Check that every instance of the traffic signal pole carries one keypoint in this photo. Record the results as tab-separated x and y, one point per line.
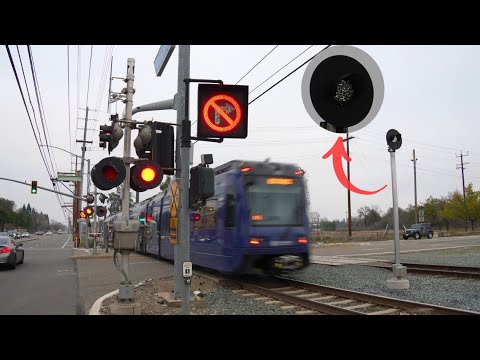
82	162
182	249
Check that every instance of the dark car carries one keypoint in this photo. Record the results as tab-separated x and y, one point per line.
418	230
10	252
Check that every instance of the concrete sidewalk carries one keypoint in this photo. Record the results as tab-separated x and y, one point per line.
98	276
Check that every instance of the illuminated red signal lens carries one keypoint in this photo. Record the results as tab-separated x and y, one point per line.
109	172
149	218
148	174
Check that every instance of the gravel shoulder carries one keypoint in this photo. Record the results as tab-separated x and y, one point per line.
220	300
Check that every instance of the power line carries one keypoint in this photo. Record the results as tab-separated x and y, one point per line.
276	72
26	108
256	64
278	82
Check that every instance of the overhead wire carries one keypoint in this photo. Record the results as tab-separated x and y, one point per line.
258	63
278	82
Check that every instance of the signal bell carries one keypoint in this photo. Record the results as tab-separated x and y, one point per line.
342	89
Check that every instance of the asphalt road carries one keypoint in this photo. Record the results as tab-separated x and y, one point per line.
386	247
46	283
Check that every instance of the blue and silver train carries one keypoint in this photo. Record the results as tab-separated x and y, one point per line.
256	222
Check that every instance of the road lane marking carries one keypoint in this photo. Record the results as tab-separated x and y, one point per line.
68	239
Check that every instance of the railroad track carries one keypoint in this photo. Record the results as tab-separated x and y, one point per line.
446	270
310	299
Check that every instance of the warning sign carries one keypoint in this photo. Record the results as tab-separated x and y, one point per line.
174	199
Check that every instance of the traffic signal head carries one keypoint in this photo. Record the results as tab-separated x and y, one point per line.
33	187
101	211
89	211
145	175
342	89
108	173
202	185
222	111
83	215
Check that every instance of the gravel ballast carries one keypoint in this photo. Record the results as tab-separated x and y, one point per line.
431	289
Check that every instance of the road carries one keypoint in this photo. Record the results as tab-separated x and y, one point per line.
386	247
46	283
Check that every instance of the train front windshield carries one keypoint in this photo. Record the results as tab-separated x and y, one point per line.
275	201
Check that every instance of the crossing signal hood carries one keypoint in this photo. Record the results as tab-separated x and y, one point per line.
222	111
101	211
110	134
145	175
155	141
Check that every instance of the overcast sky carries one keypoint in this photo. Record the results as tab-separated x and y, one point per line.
431	98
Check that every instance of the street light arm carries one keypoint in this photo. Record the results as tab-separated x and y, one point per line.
61	149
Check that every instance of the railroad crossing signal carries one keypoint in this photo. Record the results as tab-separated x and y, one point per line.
108	173
222	111
146	174
394	140
33	187
342	89
89	211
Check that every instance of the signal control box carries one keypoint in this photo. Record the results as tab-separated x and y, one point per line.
124	237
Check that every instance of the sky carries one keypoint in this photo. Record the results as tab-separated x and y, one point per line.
431	97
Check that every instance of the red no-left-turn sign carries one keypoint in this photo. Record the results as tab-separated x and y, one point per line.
222	113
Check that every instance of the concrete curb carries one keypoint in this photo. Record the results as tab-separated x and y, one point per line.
97	305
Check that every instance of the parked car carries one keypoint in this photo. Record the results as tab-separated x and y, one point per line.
49	233
26	235
418	230
10	252
39	233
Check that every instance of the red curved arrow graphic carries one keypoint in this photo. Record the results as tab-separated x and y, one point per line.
338	151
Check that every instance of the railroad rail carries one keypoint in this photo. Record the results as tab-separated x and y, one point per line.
446	270
310	299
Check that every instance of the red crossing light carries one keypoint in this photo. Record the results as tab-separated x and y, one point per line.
145	175
108	173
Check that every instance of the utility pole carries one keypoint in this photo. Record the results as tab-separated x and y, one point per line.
462	166
415	184
348	191
82	162
94	219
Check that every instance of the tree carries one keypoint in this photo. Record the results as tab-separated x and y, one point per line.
164	185
467	209
115	200
362	214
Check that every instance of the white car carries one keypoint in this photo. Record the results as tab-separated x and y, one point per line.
25	234
48	233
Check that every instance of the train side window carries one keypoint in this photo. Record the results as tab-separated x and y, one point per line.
230	211
208	215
